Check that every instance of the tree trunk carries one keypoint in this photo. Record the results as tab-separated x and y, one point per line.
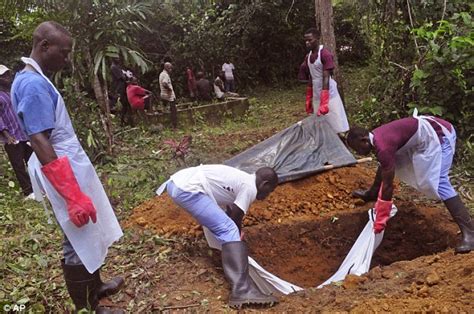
105	117
102	98
325	25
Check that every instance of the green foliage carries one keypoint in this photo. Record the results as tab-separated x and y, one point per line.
442	82
429	66
352	39
111	28
258	37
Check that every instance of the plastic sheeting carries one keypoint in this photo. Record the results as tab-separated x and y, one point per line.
357	262
299	151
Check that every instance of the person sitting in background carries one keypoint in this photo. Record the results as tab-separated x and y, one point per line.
12	136
219	88
138	97
203	87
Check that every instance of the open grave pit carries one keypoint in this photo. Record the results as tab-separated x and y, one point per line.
308	252
303	231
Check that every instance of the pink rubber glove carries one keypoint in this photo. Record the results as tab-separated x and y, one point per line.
309	99
79	205
382	214
323	102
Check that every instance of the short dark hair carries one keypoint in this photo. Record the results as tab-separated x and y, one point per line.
267	174
313	31
355	134
199	75
47	30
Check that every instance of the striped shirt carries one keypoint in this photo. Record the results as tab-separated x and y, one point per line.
9	120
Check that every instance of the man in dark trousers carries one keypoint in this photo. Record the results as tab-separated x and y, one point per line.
12	136
62	170
419	150
119	90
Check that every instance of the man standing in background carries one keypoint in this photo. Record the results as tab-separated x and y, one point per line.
191	82
12	136
119	90
228	69
317	68
167	93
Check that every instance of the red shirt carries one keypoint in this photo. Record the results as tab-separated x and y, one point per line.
390	137
135	96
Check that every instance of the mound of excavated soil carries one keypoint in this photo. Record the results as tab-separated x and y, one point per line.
323	195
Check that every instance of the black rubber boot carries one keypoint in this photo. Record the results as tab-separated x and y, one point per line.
236	269
461	216
108	288
370	194
82	287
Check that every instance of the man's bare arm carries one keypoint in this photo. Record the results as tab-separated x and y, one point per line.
43	148
236	214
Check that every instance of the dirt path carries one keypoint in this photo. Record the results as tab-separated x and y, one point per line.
301	233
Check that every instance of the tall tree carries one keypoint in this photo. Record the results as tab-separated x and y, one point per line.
325	25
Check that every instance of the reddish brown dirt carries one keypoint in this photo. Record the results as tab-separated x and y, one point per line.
323	195
302	232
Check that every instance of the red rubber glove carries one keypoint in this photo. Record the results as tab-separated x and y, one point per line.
79	205
382	214
309	99
323	102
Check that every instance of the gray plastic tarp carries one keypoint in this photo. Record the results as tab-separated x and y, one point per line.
301	150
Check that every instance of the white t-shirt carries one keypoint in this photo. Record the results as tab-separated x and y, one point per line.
166	94
227	185
228	68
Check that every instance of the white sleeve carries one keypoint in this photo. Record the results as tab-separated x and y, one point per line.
223	67
245	197
232	66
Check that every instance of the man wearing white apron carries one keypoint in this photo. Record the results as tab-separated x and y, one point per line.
60	168
322	89
203	192
419	150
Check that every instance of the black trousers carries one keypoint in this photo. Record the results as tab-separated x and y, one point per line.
18	155
126	110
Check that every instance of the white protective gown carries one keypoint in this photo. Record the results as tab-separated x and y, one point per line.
90	242
418	162
337	115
